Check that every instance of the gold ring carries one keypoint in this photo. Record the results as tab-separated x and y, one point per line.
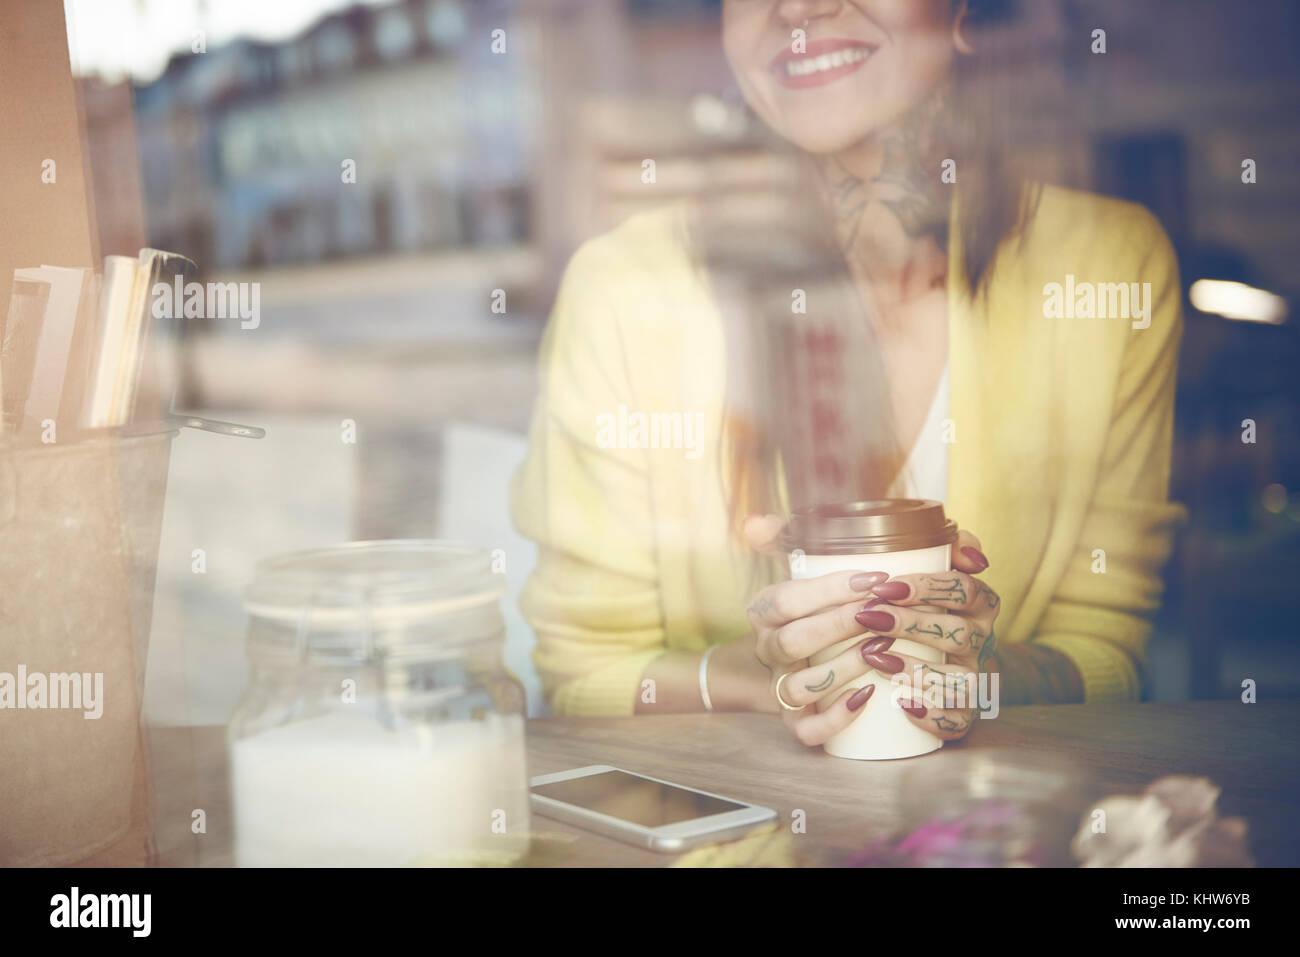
779	699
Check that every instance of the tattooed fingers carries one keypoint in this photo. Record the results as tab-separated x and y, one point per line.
809	685
943	699
938	685
955	591
952	634
948	724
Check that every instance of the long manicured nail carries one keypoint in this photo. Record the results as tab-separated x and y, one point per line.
866	580
977	556
889	664
876	645
875	620
892	591
859	697
911	707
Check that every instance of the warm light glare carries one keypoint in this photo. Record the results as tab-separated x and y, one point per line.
1274	498
1236	300
118	38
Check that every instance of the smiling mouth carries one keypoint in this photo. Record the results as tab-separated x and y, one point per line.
827	61
824	61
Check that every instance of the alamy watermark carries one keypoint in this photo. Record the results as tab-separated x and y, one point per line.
75	691
949	690
1098	300
213	300
130	911
651	430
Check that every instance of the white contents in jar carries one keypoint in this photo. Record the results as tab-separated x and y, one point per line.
345	790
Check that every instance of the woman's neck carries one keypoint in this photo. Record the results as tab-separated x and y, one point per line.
891	207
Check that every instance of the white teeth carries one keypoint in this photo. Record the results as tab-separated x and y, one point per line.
827	61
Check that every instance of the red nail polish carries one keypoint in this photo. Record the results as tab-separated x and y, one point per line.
876	645
977	556
866	580
873	603
859	697
875	620
889	664
892	591
912	708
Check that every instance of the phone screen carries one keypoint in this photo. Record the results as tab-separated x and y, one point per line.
634	798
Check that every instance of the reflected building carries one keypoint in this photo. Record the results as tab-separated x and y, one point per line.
377	130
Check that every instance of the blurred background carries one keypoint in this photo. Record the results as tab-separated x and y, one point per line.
483	158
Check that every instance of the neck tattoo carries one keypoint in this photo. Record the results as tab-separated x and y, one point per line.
907	182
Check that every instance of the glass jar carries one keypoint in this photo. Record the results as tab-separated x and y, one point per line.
80	521
990	808
379	726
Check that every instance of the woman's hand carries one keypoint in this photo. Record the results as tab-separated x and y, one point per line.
944	697
793	620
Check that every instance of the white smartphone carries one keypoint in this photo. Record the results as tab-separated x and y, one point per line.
643	810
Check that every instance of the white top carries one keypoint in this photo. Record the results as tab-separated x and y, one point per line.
925	473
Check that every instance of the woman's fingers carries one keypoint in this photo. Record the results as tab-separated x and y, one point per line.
788	601
805	637
966	554
940	698
954	634
935	685
948	724
808	685
953	590
813	728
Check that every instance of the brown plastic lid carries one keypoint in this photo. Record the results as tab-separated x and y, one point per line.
883	525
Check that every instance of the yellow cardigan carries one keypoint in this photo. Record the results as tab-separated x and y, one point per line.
1059	460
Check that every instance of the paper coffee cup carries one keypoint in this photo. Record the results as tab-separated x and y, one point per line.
896	536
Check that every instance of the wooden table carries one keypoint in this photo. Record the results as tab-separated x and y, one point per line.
1081	752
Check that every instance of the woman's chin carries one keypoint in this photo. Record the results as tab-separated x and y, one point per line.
822	139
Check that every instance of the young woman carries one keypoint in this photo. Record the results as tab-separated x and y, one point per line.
925	266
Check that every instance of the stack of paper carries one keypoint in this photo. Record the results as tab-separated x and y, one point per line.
18	344
46	342
84	350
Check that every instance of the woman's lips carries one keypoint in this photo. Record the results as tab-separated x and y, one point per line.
824	61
